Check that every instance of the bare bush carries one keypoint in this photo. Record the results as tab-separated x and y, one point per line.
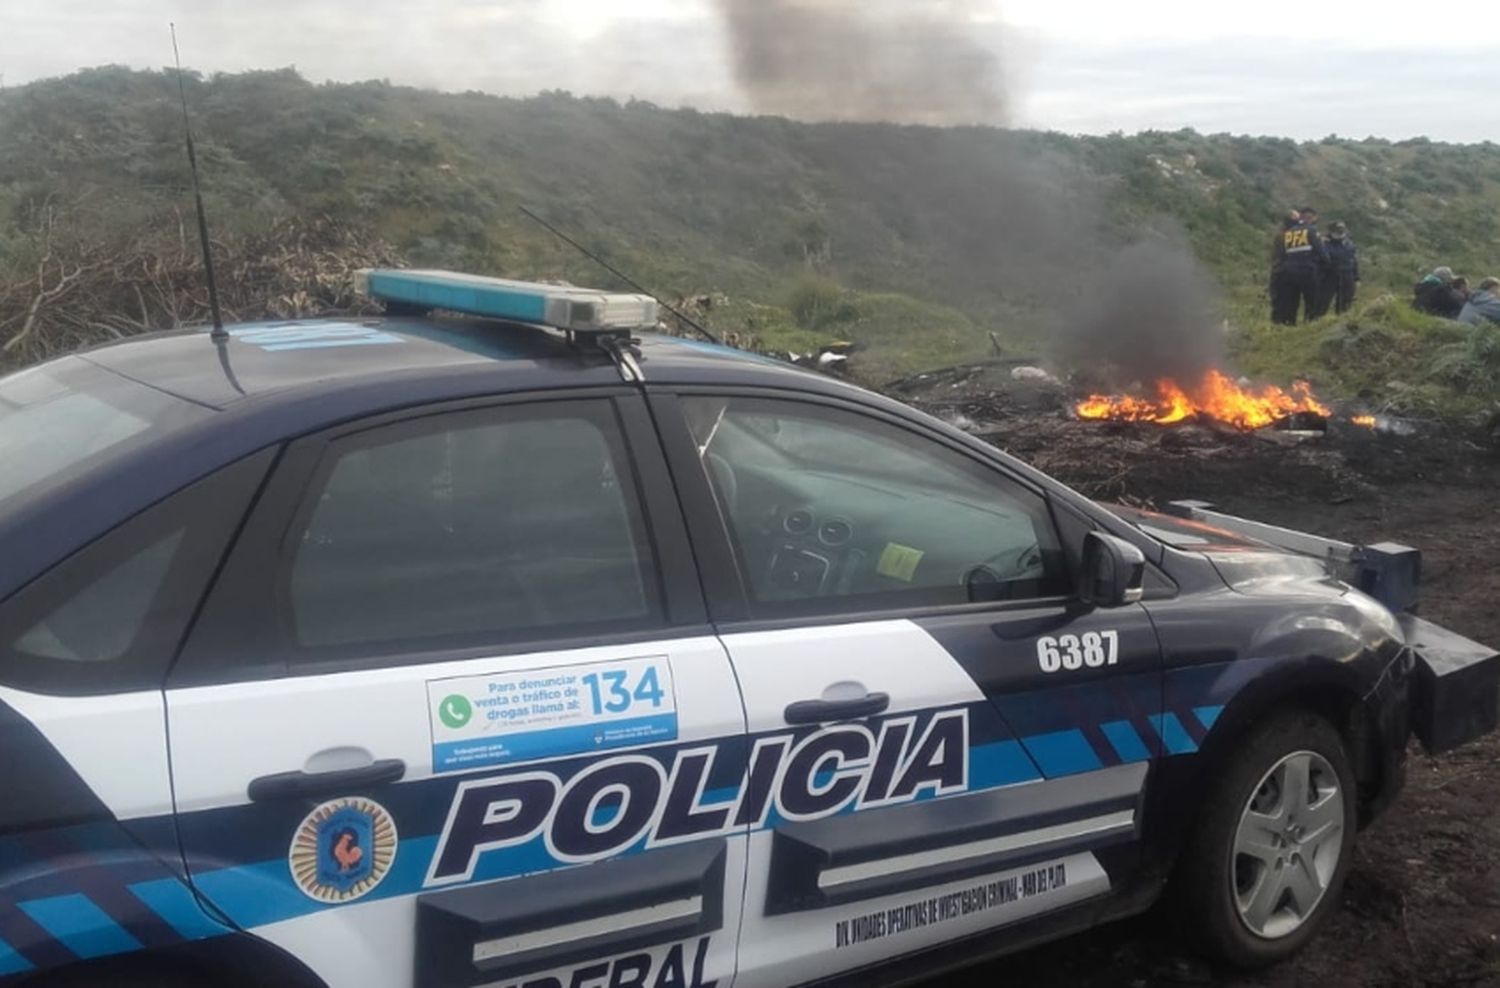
71	287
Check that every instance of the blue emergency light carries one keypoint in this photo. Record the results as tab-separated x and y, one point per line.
574	310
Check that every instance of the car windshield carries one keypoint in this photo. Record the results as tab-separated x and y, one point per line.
58	419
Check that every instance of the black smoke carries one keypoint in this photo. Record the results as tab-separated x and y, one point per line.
1123	308
908	61
1150	311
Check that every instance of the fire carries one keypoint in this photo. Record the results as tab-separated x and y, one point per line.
1216	397
1368	421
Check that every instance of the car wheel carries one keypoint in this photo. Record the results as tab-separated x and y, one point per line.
1266	864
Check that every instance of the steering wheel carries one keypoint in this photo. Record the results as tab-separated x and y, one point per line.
722	475
1008	566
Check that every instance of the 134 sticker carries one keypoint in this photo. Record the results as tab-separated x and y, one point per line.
479	721
1090	650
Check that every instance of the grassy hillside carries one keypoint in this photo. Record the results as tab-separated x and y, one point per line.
917	242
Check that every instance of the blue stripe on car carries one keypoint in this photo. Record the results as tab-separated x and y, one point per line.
10	961
82	926
1062	753
999	763
1207	716
1173	734
1126	741
178	908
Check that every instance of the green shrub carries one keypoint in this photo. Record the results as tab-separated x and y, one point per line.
1385	353
819	305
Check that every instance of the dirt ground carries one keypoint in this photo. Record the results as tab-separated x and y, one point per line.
1422	903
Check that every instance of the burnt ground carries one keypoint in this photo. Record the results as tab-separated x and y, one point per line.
1422	902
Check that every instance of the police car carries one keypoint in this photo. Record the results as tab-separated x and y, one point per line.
493	642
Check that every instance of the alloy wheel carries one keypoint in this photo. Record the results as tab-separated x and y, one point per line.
1288	844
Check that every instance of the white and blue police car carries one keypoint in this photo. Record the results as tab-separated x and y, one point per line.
500	642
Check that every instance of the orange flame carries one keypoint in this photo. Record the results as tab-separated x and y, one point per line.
1368	421
1216	397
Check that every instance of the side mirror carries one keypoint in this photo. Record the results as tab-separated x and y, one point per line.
1114	571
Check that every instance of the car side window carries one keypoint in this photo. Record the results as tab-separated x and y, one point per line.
496	524
101	621
831	511
111	616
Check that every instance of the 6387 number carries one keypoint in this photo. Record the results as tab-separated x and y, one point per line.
1090	650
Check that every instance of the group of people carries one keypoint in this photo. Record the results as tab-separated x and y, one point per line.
1442	293
1309	272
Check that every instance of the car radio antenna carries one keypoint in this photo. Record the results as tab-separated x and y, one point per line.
218	335
617	273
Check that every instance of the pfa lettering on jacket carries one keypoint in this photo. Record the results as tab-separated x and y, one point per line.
634	802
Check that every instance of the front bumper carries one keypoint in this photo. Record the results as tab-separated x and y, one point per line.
1455	693
1455	696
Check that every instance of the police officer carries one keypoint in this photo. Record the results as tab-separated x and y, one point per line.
1343	266
1297	257
1279	288
1323	289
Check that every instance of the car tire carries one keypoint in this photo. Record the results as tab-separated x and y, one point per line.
1266	863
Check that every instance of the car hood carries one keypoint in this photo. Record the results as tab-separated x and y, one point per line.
1246	564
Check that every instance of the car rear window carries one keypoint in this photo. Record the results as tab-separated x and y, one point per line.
59	418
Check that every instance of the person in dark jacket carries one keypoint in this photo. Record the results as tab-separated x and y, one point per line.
1297	255
1483	307
1323	288
1343	266
1440	294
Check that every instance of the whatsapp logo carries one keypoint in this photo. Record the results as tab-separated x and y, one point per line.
455	711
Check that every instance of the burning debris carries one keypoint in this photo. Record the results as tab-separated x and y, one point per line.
1309	457
1391	425
1215	398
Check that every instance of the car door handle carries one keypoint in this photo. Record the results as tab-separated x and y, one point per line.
341	782
823	711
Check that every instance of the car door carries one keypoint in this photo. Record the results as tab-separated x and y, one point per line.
453	714
89	862
949	741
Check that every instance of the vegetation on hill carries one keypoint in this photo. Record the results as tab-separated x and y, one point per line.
917	243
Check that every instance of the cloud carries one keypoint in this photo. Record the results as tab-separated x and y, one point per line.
510	47
1342	24
1304	91
1077	71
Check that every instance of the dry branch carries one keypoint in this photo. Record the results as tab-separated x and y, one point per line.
82	290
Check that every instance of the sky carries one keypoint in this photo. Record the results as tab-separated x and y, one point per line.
1291	68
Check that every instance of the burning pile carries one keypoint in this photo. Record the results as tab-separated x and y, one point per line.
1216	397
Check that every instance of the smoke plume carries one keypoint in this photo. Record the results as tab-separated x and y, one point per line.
1152	311
1015	219
904	61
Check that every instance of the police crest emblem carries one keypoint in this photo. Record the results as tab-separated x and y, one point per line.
343	849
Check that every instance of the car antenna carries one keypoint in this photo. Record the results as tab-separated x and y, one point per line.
617	273
218	335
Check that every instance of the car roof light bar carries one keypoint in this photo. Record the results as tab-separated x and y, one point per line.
584	311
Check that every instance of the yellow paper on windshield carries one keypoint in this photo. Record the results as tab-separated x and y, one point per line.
899	562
